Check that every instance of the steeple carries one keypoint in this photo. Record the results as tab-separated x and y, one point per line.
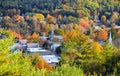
110	38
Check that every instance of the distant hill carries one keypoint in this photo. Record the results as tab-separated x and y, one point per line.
68	7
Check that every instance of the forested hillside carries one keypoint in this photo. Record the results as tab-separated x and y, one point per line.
87	32
64	7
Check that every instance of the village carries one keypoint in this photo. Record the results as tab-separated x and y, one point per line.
59	38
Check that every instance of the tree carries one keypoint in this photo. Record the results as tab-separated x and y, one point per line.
34	35
17	18
114	17
50	19
39	17
103	18
59	16
75	39
83	23
102	35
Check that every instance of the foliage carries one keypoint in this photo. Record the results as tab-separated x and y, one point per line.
66	70
5	43
14	34
17	64
13	64
114	17
59	32
103	18
40	17
102	35
50	18
75	39
93	58
34	35
72	19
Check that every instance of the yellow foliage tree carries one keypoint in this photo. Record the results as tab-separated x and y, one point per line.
75	39
48	27
97	47
39	16
103	18
64	6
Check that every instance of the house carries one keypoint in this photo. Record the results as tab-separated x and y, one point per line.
51	59
43	38
57	38
96	19
23	41
32	45
116	42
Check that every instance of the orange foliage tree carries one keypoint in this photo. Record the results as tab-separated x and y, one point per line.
83	23
50	18
59	16
17	18
118	33
34	35
34	38
14	34
102	35
40	63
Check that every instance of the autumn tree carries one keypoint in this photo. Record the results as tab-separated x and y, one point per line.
50	19
34	35
103	18
118	33
83	23
6	22
59	16
34	38
75	39
40	63
114	17
39	17
80	13
102	35
17	18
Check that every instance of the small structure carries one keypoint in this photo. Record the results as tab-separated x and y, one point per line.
51	59
54	46
43	38
116	42
33	50
23	41
110	38
15	48
57	38
32	45
96	19
47	55
117	27
0	36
